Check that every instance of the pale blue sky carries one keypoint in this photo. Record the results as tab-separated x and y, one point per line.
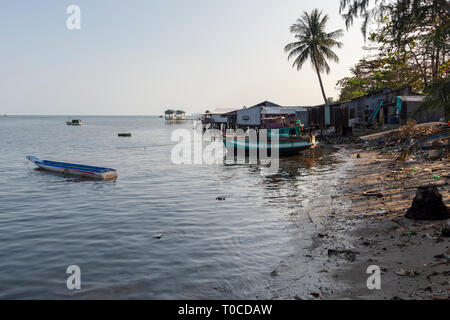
142	56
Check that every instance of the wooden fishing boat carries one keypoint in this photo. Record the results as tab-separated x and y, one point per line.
75	122
75	169
290	141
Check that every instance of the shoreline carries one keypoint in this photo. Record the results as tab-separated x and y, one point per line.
357	231
307	272
382	235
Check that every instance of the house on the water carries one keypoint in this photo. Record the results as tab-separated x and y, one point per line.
174	115
385	106
258	115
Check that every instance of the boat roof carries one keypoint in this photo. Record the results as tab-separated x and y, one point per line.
412	98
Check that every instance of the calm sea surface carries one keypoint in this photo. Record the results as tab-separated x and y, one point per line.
210	249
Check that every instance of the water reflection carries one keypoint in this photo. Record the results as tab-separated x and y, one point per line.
210	249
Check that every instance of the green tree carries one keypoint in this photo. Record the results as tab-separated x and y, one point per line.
409	48
314	43
438	96
377	9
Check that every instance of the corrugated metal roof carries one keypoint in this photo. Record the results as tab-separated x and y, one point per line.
282	110
412	98
266	104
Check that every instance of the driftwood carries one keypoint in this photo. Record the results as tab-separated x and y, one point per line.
372	193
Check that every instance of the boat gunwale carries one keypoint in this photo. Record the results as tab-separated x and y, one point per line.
70	165
282	140
280	147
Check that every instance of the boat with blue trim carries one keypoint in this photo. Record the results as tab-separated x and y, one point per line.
290	140
75	169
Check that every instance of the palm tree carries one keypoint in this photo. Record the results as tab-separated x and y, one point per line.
314	43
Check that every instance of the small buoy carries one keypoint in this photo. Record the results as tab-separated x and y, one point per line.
124	134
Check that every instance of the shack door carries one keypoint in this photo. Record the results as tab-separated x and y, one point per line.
327	116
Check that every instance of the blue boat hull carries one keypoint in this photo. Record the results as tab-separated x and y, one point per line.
284	146
75	169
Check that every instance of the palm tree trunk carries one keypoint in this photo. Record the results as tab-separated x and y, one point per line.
320	81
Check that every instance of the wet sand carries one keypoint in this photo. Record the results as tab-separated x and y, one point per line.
383	236
355	231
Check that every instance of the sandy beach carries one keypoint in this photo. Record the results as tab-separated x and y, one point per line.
383	236
360	230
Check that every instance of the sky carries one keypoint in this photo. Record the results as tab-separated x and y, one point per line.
141	57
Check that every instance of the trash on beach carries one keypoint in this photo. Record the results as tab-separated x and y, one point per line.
412	141
446	254
445	232
372	193
409	273
346	254
436	176
159	236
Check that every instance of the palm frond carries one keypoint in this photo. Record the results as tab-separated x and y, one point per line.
301	59
297	51
330	54
292	46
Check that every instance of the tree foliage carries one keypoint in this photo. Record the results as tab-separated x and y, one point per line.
438	96
369	10
410	46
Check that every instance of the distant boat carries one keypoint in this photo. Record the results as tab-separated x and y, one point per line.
75	169
75	122
124	134
6	116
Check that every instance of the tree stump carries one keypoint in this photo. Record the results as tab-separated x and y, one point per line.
428	205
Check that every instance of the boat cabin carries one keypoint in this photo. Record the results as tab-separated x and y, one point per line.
74	122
